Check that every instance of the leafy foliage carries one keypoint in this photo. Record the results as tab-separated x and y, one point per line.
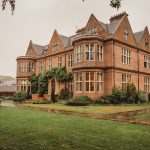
34	83
115	3
80	101
11	3
128	96
19	97
64	94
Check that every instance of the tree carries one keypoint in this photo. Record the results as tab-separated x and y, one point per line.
113	3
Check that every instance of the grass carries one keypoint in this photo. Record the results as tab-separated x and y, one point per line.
100	110
145	116
23	129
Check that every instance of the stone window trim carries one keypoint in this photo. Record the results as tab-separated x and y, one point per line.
89	82
100	82
50	64
70	60
31	67
147	84
55	46
126	33
89	52
78	82
92	31
41	66
78	51
126	78
100	53
146	62
59	62
126	56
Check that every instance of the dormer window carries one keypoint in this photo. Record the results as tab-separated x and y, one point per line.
55	46
92	31
146	43
126	33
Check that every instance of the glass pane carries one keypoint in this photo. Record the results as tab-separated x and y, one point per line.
87	76
87	86
92	76
92	86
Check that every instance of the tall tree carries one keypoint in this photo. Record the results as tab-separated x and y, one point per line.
113	3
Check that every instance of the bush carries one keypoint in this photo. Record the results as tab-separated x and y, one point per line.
40	101
140	97
64	94
129	96
19	97
80	101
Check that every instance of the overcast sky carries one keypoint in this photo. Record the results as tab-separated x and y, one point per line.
37	19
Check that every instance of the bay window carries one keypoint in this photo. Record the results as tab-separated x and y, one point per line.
89	52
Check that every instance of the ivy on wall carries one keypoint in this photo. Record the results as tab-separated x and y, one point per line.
39	83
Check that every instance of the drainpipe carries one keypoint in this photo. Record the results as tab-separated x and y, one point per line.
113	64
138	69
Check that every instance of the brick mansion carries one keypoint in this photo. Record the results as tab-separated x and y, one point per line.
101	56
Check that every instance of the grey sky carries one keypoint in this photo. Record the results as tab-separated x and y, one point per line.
37	19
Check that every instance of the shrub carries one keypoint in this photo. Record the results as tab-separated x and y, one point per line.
103	100
40	101
64	94
140	97
19	97
80	101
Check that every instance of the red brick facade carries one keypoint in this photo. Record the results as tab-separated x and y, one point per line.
101	56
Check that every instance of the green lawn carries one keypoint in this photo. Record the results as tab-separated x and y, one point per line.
100	110
23	129
145	116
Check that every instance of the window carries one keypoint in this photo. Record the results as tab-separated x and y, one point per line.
31	67
89	81
126	33
70	86
100	53
92	30
23	67
147	62
146	43
78	53
79	82
50	64
55	47
59	61
70	60
100	82
23	85
89	52
126	56
125	79
41	66
147	84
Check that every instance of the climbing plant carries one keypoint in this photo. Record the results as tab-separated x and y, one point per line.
39	83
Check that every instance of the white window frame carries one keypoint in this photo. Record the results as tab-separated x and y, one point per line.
89	82
78	53
126	78
147	84
100	82
89	51
100	53
78	81
70	60
126	33
147	62
59	62
126	56
50	64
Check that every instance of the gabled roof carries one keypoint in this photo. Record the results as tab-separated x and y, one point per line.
38	48
64	39
138	35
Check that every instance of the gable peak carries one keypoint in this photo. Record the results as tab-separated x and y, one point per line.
117	17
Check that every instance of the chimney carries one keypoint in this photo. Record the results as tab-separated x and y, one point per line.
117	17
